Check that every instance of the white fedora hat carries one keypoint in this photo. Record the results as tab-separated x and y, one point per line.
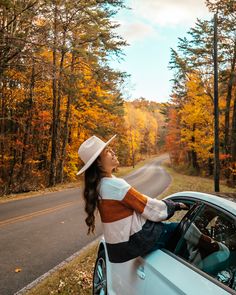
90	149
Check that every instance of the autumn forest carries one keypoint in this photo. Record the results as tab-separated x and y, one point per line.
57	89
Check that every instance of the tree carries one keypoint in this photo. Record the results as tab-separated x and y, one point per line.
195	54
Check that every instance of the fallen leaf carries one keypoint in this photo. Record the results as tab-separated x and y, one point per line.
18	270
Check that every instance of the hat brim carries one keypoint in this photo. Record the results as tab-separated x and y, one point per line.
90	162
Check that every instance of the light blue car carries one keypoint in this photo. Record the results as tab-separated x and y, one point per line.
201	258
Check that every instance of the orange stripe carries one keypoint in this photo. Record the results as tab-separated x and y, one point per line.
135	200
112	210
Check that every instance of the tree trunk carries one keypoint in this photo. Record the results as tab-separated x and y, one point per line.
66	126
60	164
210	164
233	135
132	148
2	129
14	129
228	102
194	154
28	123
52	176
194	160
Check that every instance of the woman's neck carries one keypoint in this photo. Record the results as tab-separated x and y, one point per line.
107	175
110	176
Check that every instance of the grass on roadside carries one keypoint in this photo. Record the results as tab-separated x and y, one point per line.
73	278
182	182
76	276
122	171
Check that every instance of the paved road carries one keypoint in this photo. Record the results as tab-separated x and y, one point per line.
38	233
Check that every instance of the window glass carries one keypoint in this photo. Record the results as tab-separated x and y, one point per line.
180	214
210	244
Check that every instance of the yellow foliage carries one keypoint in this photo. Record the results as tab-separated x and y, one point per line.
142	130
197	132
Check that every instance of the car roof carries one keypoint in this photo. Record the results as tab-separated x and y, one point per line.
218	199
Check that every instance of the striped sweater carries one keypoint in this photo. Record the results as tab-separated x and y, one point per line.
131	221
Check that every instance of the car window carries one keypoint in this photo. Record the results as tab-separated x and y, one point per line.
179	215
209	244
183	217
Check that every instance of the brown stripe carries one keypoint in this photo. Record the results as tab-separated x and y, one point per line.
135	200
112	210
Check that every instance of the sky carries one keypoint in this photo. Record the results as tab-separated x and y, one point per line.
152	28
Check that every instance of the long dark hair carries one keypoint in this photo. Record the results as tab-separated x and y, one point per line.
92	178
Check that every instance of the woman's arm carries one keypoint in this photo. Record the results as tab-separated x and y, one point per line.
152	209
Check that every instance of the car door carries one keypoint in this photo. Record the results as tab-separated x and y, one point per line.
170	271
127	278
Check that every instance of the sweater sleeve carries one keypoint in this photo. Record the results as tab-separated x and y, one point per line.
151	209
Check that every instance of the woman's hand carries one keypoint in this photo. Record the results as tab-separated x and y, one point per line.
184	206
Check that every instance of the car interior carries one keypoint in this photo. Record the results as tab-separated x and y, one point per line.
209	243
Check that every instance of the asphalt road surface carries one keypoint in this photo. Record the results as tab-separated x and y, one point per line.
38	233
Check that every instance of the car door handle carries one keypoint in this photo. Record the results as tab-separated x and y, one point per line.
140	272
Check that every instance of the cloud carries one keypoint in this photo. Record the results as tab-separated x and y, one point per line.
136	31
170	12
147	16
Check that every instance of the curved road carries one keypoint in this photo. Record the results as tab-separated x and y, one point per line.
38	233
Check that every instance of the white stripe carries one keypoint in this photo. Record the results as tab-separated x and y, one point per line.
113	188
121	230
155	210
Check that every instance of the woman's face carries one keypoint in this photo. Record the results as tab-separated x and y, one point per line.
108	160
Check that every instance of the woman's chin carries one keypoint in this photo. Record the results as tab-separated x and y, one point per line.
116	166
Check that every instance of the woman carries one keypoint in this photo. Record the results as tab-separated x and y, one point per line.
132	222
